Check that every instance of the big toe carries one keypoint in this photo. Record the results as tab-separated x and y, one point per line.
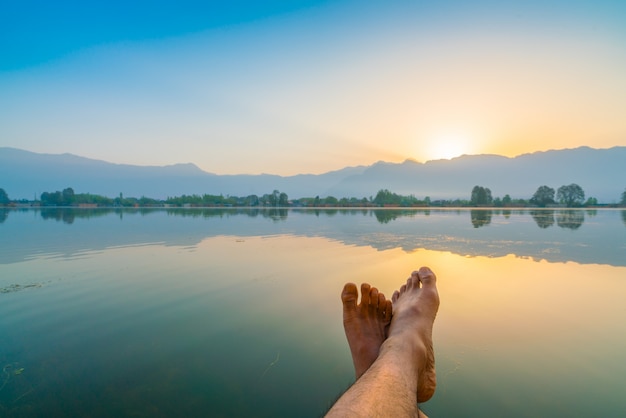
349	295
427	277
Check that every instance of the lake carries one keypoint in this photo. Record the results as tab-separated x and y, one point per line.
227	313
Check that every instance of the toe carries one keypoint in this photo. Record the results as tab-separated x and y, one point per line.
365	294
381	303
388	310
427	277
374	297
414	280
349	295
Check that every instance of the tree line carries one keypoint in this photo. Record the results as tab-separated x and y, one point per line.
571	195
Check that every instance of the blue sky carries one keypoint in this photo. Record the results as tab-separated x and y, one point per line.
309	86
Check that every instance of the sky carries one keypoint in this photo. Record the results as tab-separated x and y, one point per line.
309	86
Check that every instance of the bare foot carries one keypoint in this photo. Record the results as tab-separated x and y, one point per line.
415	306
366	324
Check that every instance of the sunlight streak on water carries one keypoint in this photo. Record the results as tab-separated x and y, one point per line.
190	323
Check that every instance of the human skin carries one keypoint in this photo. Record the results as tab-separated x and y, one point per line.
366	324
403	373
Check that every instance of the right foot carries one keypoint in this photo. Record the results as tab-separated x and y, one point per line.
365	324
415	306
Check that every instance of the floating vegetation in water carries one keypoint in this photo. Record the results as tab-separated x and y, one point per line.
15	388
17	287
272	363
8	371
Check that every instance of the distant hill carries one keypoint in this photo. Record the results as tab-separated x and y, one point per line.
600	172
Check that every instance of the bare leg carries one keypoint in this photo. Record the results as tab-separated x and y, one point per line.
366	324
390	386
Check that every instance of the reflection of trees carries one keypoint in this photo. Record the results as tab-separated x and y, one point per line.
624	216
65	215
570	219
209	213
68	215
480	217
277	214
543	218
387	215
4	214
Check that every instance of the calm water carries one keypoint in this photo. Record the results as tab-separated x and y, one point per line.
237	313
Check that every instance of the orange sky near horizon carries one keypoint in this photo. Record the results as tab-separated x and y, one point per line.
327	85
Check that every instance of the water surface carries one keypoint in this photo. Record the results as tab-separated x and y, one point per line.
237	313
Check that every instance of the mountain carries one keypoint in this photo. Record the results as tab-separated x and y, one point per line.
24	174
600	172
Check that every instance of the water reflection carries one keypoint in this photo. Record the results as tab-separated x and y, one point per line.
386	216
69	215
543	218
129	330
570	219
480	217
279	214
492	233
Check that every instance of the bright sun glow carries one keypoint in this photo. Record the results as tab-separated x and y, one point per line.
447	147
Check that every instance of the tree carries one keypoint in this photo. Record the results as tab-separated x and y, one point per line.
67	198
283	199
572	195
331	200
274	198
251	200
385	197
51	199
623	201
592	201
543	196
481	196
488	197
4	197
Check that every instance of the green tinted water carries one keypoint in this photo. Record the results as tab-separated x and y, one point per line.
237	313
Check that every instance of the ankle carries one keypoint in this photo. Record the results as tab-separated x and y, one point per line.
408	347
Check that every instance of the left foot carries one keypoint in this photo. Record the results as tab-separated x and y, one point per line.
366	324
415	307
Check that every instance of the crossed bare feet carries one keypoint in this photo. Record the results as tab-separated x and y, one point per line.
369	324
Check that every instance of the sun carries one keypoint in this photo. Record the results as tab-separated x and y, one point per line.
447	147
